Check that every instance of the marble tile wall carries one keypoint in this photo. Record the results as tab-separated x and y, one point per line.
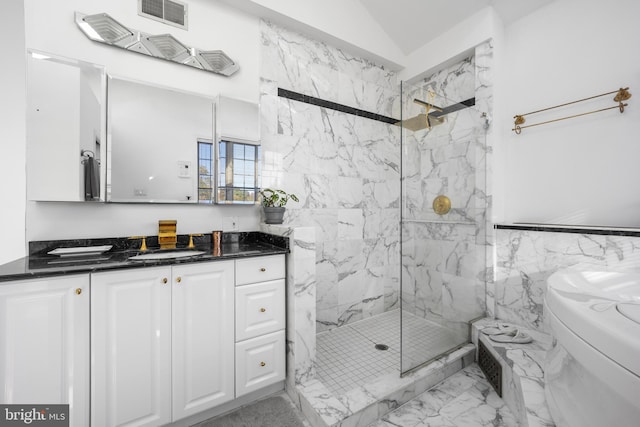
301	301
447	259
344	169
525	259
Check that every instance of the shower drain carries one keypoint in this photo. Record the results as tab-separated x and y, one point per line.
382	347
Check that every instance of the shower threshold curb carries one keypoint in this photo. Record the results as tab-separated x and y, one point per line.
364	405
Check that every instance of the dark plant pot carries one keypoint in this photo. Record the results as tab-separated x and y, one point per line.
273	215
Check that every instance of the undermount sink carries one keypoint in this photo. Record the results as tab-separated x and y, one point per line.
165	255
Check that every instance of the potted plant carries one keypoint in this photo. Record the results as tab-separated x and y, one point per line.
273	204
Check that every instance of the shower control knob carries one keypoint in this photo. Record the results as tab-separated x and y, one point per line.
441	205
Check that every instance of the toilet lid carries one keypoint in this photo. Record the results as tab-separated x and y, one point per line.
630	311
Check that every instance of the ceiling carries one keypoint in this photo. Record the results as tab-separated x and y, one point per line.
413	23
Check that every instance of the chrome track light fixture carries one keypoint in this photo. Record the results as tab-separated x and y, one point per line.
104	29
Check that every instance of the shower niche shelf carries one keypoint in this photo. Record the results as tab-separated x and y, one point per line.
438	221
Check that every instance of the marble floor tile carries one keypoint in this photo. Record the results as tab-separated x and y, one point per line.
463	400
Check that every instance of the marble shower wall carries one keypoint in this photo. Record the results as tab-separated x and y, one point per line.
525	259
445	258
344	169
301	301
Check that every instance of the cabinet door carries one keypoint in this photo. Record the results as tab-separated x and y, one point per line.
259	309
203	341
259	362
44	344
131	347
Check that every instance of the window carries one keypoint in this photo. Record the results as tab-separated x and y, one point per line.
205	172
238	172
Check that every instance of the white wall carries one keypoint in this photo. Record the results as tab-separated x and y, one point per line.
50	27
583	170
12	132
213	25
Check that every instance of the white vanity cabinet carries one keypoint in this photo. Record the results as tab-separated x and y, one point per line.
131	347
202	351
162	343
260	322
44	343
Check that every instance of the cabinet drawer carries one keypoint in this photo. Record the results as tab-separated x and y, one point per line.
259	362
259	269
259	309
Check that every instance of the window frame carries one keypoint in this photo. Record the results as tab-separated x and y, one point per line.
212	172
229	188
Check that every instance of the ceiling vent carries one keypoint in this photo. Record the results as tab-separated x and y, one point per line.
168	11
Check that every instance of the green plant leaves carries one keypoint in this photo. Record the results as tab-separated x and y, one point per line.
276	198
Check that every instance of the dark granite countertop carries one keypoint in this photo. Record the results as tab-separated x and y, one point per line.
40	264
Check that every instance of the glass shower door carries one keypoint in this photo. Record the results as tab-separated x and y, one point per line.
443	214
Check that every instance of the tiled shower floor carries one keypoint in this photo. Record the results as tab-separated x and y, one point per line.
347	358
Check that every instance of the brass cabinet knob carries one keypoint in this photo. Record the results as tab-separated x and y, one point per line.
164	280
178	279
263	364
262	310
263	269
78	291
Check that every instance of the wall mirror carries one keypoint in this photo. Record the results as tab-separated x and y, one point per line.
153	139
238	151
163	147
65	129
